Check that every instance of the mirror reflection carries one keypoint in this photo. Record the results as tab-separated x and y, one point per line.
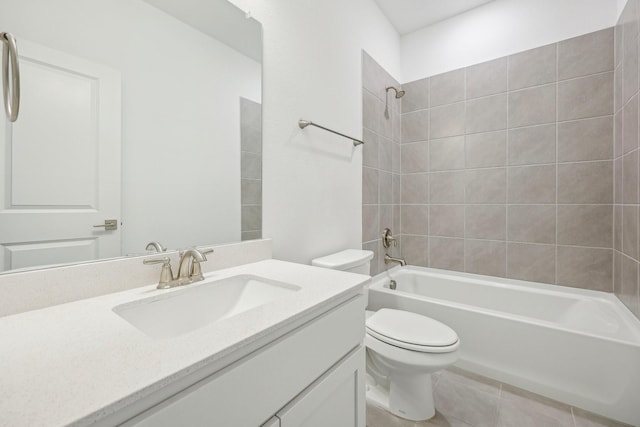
143	115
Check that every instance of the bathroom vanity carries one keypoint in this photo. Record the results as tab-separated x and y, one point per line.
296	359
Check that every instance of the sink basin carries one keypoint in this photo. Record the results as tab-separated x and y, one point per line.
198	305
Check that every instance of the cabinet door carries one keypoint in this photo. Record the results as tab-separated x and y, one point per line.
336	399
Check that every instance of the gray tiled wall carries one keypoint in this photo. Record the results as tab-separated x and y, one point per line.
626	229
381	161
507	166
251	169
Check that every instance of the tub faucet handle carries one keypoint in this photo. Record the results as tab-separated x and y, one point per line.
387	239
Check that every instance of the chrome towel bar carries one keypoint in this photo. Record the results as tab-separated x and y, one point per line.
10	56
304	123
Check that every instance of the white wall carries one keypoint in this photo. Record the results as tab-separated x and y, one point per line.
181	130
620	7
497	29
312	69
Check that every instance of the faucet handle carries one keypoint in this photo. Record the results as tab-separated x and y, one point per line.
166	275
196	271
208	251
387	238
162	260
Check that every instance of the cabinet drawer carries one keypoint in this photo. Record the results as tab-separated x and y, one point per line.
251	390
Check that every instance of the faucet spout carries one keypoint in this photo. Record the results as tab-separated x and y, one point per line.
189	259
155	246
389	259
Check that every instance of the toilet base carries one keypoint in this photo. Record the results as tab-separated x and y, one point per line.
415	403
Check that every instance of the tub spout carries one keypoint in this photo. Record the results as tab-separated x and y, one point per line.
389	259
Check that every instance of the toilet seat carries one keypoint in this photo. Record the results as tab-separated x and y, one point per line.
411	331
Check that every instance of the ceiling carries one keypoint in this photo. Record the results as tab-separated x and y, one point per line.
411	15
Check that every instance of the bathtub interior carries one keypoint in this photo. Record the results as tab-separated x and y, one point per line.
579	310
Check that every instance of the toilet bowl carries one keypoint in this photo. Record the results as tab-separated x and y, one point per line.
403	349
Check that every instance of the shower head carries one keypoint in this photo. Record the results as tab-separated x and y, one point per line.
399	93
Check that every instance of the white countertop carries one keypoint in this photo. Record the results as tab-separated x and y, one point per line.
76	363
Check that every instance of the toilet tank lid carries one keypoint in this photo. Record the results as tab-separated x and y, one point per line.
344	260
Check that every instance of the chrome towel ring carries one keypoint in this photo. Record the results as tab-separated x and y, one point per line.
10	88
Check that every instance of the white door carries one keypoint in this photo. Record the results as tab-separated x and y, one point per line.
61	162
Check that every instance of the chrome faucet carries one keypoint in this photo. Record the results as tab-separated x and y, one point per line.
389	259
189	269
387	241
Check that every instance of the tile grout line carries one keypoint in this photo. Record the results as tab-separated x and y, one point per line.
614	220
506	196
428	169
637	36
637	224
464	193
556	278
623	103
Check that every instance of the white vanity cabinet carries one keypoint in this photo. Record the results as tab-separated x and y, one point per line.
310	376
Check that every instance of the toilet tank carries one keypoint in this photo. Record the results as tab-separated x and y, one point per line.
351	260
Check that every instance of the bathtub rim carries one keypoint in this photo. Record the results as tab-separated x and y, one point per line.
379	282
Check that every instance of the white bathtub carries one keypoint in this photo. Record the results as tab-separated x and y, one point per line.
576	346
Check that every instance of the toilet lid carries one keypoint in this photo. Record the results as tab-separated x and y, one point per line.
410	330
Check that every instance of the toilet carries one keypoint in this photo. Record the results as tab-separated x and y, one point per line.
403	349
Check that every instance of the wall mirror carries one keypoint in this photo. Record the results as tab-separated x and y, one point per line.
146	112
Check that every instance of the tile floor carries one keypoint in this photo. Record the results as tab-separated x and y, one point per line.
468	400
